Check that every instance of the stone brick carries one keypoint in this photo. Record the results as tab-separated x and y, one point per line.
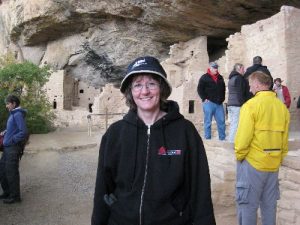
297	207
293	176
288	185
287	215
285	204
290	195
292	162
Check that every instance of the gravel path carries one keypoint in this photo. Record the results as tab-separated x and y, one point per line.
57	189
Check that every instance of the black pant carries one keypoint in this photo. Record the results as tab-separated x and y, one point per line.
9	171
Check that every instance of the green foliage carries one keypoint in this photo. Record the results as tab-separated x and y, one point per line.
26	81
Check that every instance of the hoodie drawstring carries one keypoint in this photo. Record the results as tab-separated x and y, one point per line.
136	152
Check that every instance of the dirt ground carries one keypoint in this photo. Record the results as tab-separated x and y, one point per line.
57	189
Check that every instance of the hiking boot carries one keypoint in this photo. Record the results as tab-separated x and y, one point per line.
11	200
4	196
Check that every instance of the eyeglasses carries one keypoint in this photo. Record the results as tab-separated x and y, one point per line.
150	86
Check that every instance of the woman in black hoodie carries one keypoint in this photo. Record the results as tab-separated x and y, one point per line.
152	166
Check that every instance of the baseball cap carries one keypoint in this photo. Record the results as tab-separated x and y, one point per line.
214	65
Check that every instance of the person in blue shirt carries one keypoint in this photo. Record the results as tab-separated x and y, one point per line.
15	133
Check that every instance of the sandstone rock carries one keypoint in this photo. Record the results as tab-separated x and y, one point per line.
34	53
115	32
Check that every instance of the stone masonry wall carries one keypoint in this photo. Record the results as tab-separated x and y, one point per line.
111	102
187	62
288	212
222	164
54	88
276	40
292	45
266	38
86	94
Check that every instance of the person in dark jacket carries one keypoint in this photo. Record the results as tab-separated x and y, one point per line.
237	95
211	89
152	167
16	132
257	66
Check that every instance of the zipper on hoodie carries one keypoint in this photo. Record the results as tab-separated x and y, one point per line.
145	175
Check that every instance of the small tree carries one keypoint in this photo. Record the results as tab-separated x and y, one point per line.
26	81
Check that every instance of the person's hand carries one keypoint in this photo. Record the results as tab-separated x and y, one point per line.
206	100
3	132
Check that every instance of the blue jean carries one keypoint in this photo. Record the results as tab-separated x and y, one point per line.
234	115
256	189
211	110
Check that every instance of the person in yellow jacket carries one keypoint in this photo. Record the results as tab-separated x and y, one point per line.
260	145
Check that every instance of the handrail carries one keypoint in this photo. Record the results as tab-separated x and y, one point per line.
106	114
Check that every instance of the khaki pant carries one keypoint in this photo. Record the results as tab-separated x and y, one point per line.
256	189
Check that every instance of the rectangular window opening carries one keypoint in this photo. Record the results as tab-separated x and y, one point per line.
191	106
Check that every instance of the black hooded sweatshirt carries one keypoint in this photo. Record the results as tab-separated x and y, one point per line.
155	175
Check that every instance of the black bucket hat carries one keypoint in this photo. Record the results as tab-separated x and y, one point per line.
146	64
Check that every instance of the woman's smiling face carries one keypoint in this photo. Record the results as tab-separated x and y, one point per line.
146	93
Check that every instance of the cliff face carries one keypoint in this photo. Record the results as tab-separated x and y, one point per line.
94	40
